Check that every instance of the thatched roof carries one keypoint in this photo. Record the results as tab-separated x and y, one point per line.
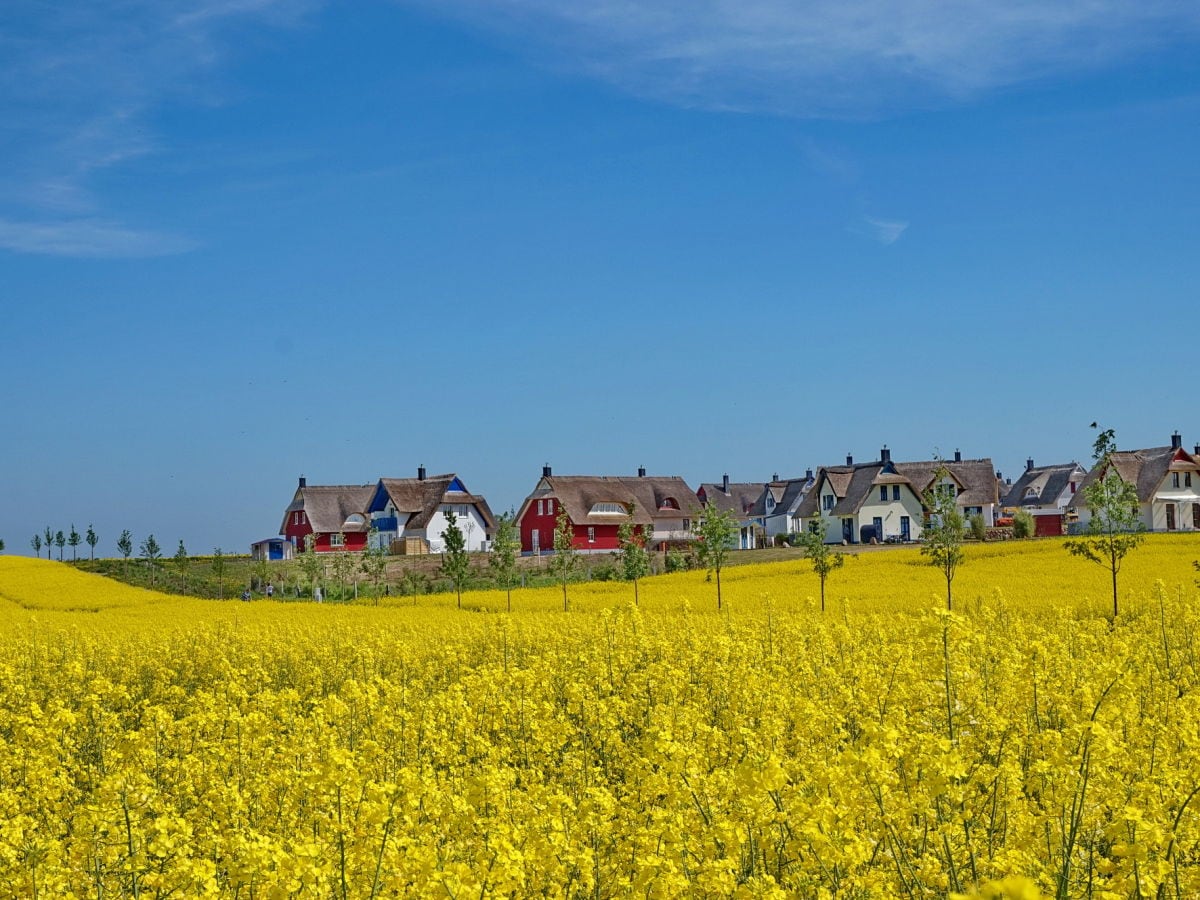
977	477
650	494
1144	469
854	484
327	507
1047	482
420	498
739	499
788	495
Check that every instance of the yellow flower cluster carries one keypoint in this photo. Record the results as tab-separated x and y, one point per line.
1021	746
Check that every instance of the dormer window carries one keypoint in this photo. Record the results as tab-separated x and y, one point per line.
770	502
668	503
606	508
354	520
1031	493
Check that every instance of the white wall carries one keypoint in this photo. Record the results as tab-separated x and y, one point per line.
470	523
891	511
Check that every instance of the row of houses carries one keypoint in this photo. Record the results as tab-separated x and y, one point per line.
882	500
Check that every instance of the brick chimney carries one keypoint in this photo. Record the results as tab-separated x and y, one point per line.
420	473
641	471
1029	464
546	473
885	455
1176	441
849	460
303	481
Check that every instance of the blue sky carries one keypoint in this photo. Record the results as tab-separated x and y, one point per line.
242	240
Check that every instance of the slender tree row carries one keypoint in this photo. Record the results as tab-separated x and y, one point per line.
51	539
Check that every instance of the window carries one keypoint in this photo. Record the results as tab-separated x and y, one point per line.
1187	479
687	524
827	502
1174	479
607	509
591	535
1170	517
337	540
883	492
550	507
540	511
895	492
1073	487
534	540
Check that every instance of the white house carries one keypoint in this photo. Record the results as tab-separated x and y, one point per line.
864	503
1167	481
408	515
779	504
740	499
1044	492
973	481
884	500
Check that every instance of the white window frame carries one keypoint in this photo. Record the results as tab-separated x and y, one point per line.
337	540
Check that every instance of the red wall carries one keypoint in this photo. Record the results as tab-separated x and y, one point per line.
1047	526
606	535
355	540
296	533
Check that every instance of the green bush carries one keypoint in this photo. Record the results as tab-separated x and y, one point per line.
978	527
605	572
1023	524
676	561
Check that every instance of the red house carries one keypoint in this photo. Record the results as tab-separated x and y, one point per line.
335	514
597	505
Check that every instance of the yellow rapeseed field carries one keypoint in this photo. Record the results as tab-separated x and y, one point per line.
1021	746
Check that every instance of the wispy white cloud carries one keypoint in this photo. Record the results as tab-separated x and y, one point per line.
93	238
829	57
886	231
77	81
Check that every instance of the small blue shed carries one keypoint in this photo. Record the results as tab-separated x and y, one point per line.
276	548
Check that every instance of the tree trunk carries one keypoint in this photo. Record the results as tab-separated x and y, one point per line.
718	588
